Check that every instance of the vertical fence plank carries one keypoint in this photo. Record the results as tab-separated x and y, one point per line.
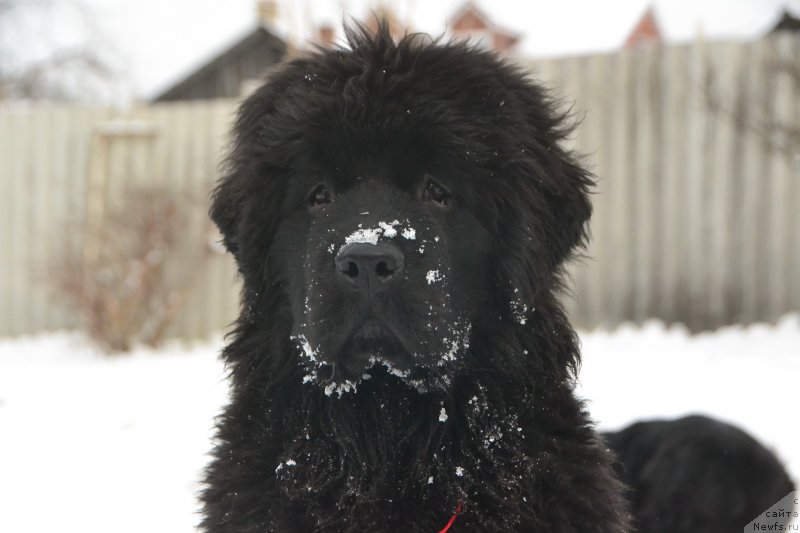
780	233
753	183
19	221
199	176
720	174
675	101
793	198
7	199
646	184
58	186
223	287
177	156
606	110
621	187
695	146
37	212
598	102
206	170
735	221
763	220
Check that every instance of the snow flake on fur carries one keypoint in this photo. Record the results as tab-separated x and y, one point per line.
386	230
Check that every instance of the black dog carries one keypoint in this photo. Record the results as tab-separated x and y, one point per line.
696	475
400	214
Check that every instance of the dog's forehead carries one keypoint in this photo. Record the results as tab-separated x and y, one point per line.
383	191
391	139
356	164
395	124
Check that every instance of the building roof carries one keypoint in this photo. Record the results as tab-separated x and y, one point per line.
646	30
470	10
259	37
787	22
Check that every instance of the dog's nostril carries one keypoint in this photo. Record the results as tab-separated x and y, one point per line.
351	271
383	271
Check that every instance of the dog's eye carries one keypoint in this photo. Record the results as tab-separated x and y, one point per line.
319	196
436	193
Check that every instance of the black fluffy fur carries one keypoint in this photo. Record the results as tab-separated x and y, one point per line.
531	459
696	475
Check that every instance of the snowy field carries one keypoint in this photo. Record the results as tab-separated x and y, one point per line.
96	444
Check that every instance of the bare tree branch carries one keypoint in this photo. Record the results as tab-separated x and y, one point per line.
780	134
77	71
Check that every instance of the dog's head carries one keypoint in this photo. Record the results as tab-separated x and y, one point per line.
394	198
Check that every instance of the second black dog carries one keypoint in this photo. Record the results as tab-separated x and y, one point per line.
696	475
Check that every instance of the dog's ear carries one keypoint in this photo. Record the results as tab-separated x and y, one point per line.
560	173
228	198
246	203
569	186
247	170
553	206
226	208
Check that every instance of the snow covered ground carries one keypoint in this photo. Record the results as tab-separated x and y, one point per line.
96	444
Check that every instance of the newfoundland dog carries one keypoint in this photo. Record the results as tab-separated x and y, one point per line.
697	475
400	214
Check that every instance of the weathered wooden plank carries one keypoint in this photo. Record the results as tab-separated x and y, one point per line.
597	103
764	178
621	188
59	232
781	234
200	177
39	213
672	289
695	190
720	182
220	286
646	184
793	196
19	256
7	199
752	207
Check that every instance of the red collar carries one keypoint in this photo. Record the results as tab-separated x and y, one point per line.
452	519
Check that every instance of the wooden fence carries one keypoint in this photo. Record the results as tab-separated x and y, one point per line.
54	159
697	209
697	212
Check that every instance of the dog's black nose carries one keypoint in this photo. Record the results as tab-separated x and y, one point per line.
370	267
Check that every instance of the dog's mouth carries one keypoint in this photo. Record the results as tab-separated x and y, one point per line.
372	336
371	343
378	352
